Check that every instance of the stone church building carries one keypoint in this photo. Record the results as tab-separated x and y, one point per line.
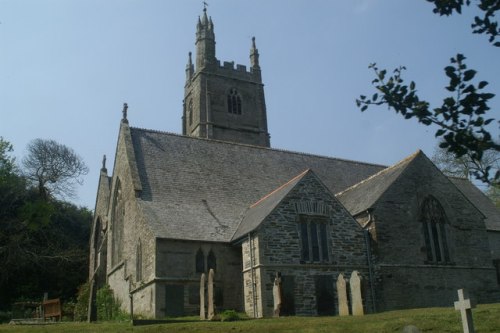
218	196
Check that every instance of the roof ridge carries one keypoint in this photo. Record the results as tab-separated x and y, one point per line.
279	188
406	159
457	177
258	147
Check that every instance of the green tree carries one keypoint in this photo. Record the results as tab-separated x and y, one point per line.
462	118
43	241
483	24
53	168
464	166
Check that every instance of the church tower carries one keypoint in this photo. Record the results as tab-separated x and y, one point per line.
222	102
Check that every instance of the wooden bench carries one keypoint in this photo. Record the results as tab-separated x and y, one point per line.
52	309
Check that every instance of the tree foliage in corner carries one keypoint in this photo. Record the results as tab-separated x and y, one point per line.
462	117
484	24
43	241
53	168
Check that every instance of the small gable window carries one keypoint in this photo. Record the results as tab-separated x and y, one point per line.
200	261
434	229
233	102
314	239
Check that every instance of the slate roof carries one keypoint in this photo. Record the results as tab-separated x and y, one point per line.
362	196
262	208
481	201
198	189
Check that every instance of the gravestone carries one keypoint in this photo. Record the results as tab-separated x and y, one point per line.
342	295
465	307
411	329
357	300
202	297
277	295
211	309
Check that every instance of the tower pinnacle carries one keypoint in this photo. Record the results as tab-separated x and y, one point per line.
254	55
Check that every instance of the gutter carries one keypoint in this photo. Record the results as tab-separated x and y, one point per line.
366	233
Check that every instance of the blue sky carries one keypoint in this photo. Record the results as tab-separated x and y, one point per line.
67	66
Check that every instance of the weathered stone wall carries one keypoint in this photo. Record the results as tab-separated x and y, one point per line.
494	241
207	90
252	286
404	277
144	299
99	226
122	275
176	265
279	249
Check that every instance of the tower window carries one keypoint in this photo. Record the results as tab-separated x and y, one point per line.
233	102
434	230
190	112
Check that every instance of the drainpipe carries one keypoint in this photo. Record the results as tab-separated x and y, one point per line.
254	296
369	257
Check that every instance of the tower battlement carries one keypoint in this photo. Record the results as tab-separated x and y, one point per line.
223	101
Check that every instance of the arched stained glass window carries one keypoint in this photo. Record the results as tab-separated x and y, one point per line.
117	225
211	261
434	229
200	261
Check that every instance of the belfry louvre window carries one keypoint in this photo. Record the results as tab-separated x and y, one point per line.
190	112
314	239
434	228
233	102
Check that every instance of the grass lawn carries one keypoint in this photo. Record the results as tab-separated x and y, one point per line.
486	319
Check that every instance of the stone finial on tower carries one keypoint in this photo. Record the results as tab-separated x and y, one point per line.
124	112
104	163
254	55
189	68
205	42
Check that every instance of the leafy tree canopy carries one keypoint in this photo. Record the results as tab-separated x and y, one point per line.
483	24
463	118
43	241
54	168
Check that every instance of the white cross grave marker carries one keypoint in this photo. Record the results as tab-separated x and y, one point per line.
464	306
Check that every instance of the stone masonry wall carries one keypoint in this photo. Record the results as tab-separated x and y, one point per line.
494	241
404	278
208	91
280	248
176	265
122	275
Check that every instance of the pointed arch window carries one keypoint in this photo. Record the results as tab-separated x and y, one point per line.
138	261
233	102
117	225
190	112
98	239
200	261
434	228
211	261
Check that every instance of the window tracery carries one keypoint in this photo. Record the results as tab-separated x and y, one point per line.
434	229
314	239
233	102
